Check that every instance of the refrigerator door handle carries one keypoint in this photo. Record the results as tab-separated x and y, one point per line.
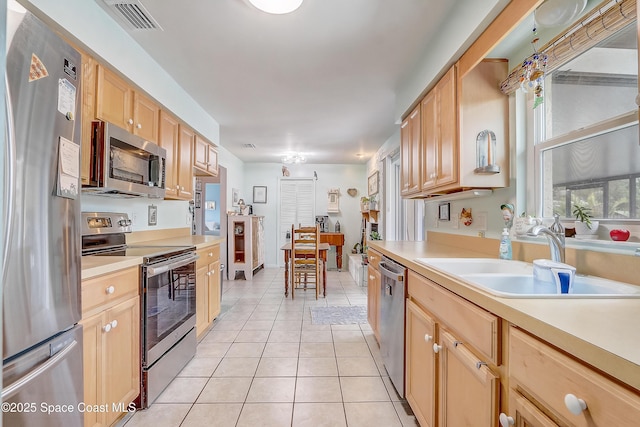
19	384
9	175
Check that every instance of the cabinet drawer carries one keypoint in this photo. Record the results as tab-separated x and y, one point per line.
208	255
473	325
100	292
538	370
374	258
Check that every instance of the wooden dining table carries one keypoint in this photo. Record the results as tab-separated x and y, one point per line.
323	248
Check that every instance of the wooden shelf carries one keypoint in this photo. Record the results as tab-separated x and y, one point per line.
370	215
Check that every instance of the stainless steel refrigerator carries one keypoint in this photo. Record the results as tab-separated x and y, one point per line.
42	341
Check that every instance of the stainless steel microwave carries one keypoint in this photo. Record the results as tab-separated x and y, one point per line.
123	164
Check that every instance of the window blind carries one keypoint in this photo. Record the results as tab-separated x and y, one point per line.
602	22
296	205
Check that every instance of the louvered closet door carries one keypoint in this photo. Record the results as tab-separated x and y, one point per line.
297	206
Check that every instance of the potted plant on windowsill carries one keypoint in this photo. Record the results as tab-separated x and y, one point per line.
586	228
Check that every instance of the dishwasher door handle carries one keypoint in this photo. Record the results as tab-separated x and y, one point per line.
391	274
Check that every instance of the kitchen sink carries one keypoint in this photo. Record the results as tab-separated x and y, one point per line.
525	286
514	279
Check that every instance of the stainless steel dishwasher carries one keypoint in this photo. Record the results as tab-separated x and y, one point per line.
391	323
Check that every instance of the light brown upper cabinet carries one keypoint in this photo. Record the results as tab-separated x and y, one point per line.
205	157
185	161
169	139
88	113
120	104
439	136
454	120
410	142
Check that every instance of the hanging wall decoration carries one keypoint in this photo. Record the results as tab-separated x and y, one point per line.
333	204
532	72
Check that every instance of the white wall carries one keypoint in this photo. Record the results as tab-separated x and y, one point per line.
329	176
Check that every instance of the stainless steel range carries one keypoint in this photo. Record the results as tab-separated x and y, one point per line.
168	298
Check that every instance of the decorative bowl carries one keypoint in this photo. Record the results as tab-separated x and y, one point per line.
619	235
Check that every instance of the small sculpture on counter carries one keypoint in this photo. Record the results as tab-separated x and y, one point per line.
285	171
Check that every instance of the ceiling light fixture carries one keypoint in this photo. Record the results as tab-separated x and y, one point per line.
276	7
294	158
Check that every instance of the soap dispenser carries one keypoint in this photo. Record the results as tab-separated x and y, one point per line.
505	245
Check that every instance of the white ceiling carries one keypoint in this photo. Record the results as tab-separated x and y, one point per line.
321	81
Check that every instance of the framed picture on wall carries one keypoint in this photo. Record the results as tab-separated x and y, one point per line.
259	194
373	183
235	196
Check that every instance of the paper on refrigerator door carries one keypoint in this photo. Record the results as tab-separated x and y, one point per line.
68	168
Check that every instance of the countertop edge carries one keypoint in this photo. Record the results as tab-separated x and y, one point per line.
94	266
608	359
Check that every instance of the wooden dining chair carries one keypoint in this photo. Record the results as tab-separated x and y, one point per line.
306	263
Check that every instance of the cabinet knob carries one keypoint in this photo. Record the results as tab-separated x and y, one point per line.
212	271
211	254
505	420
574	404
114	323
107	327
130	121
436	348
110	289
371	277
428	337
139	125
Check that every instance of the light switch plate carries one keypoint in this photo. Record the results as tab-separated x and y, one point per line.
153	215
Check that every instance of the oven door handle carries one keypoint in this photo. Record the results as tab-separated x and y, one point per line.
170	265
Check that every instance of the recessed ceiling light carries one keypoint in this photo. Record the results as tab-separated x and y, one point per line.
277	7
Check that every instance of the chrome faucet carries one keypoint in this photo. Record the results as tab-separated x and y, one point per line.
556	244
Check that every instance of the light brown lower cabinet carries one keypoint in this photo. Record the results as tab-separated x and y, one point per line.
374	280
447	383
207	287
111	345
420	383
549	383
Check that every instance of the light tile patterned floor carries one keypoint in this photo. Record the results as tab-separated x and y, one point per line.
263	363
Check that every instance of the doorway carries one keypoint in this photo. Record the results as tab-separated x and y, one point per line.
211	208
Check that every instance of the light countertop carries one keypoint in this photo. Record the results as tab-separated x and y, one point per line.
603	332
93	266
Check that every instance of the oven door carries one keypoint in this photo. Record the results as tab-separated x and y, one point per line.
169	305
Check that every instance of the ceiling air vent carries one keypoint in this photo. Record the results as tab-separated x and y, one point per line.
133	14
249	146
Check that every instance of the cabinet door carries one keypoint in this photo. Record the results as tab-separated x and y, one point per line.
113	99
430	138
468	388
92	345
372	299
201	153
526	414
212	164
122	367
185	171
202	299
420	365
214	291
146	115
410	140
89	70
168	139
447	169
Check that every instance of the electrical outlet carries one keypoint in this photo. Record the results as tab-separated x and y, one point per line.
188	219
134	218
